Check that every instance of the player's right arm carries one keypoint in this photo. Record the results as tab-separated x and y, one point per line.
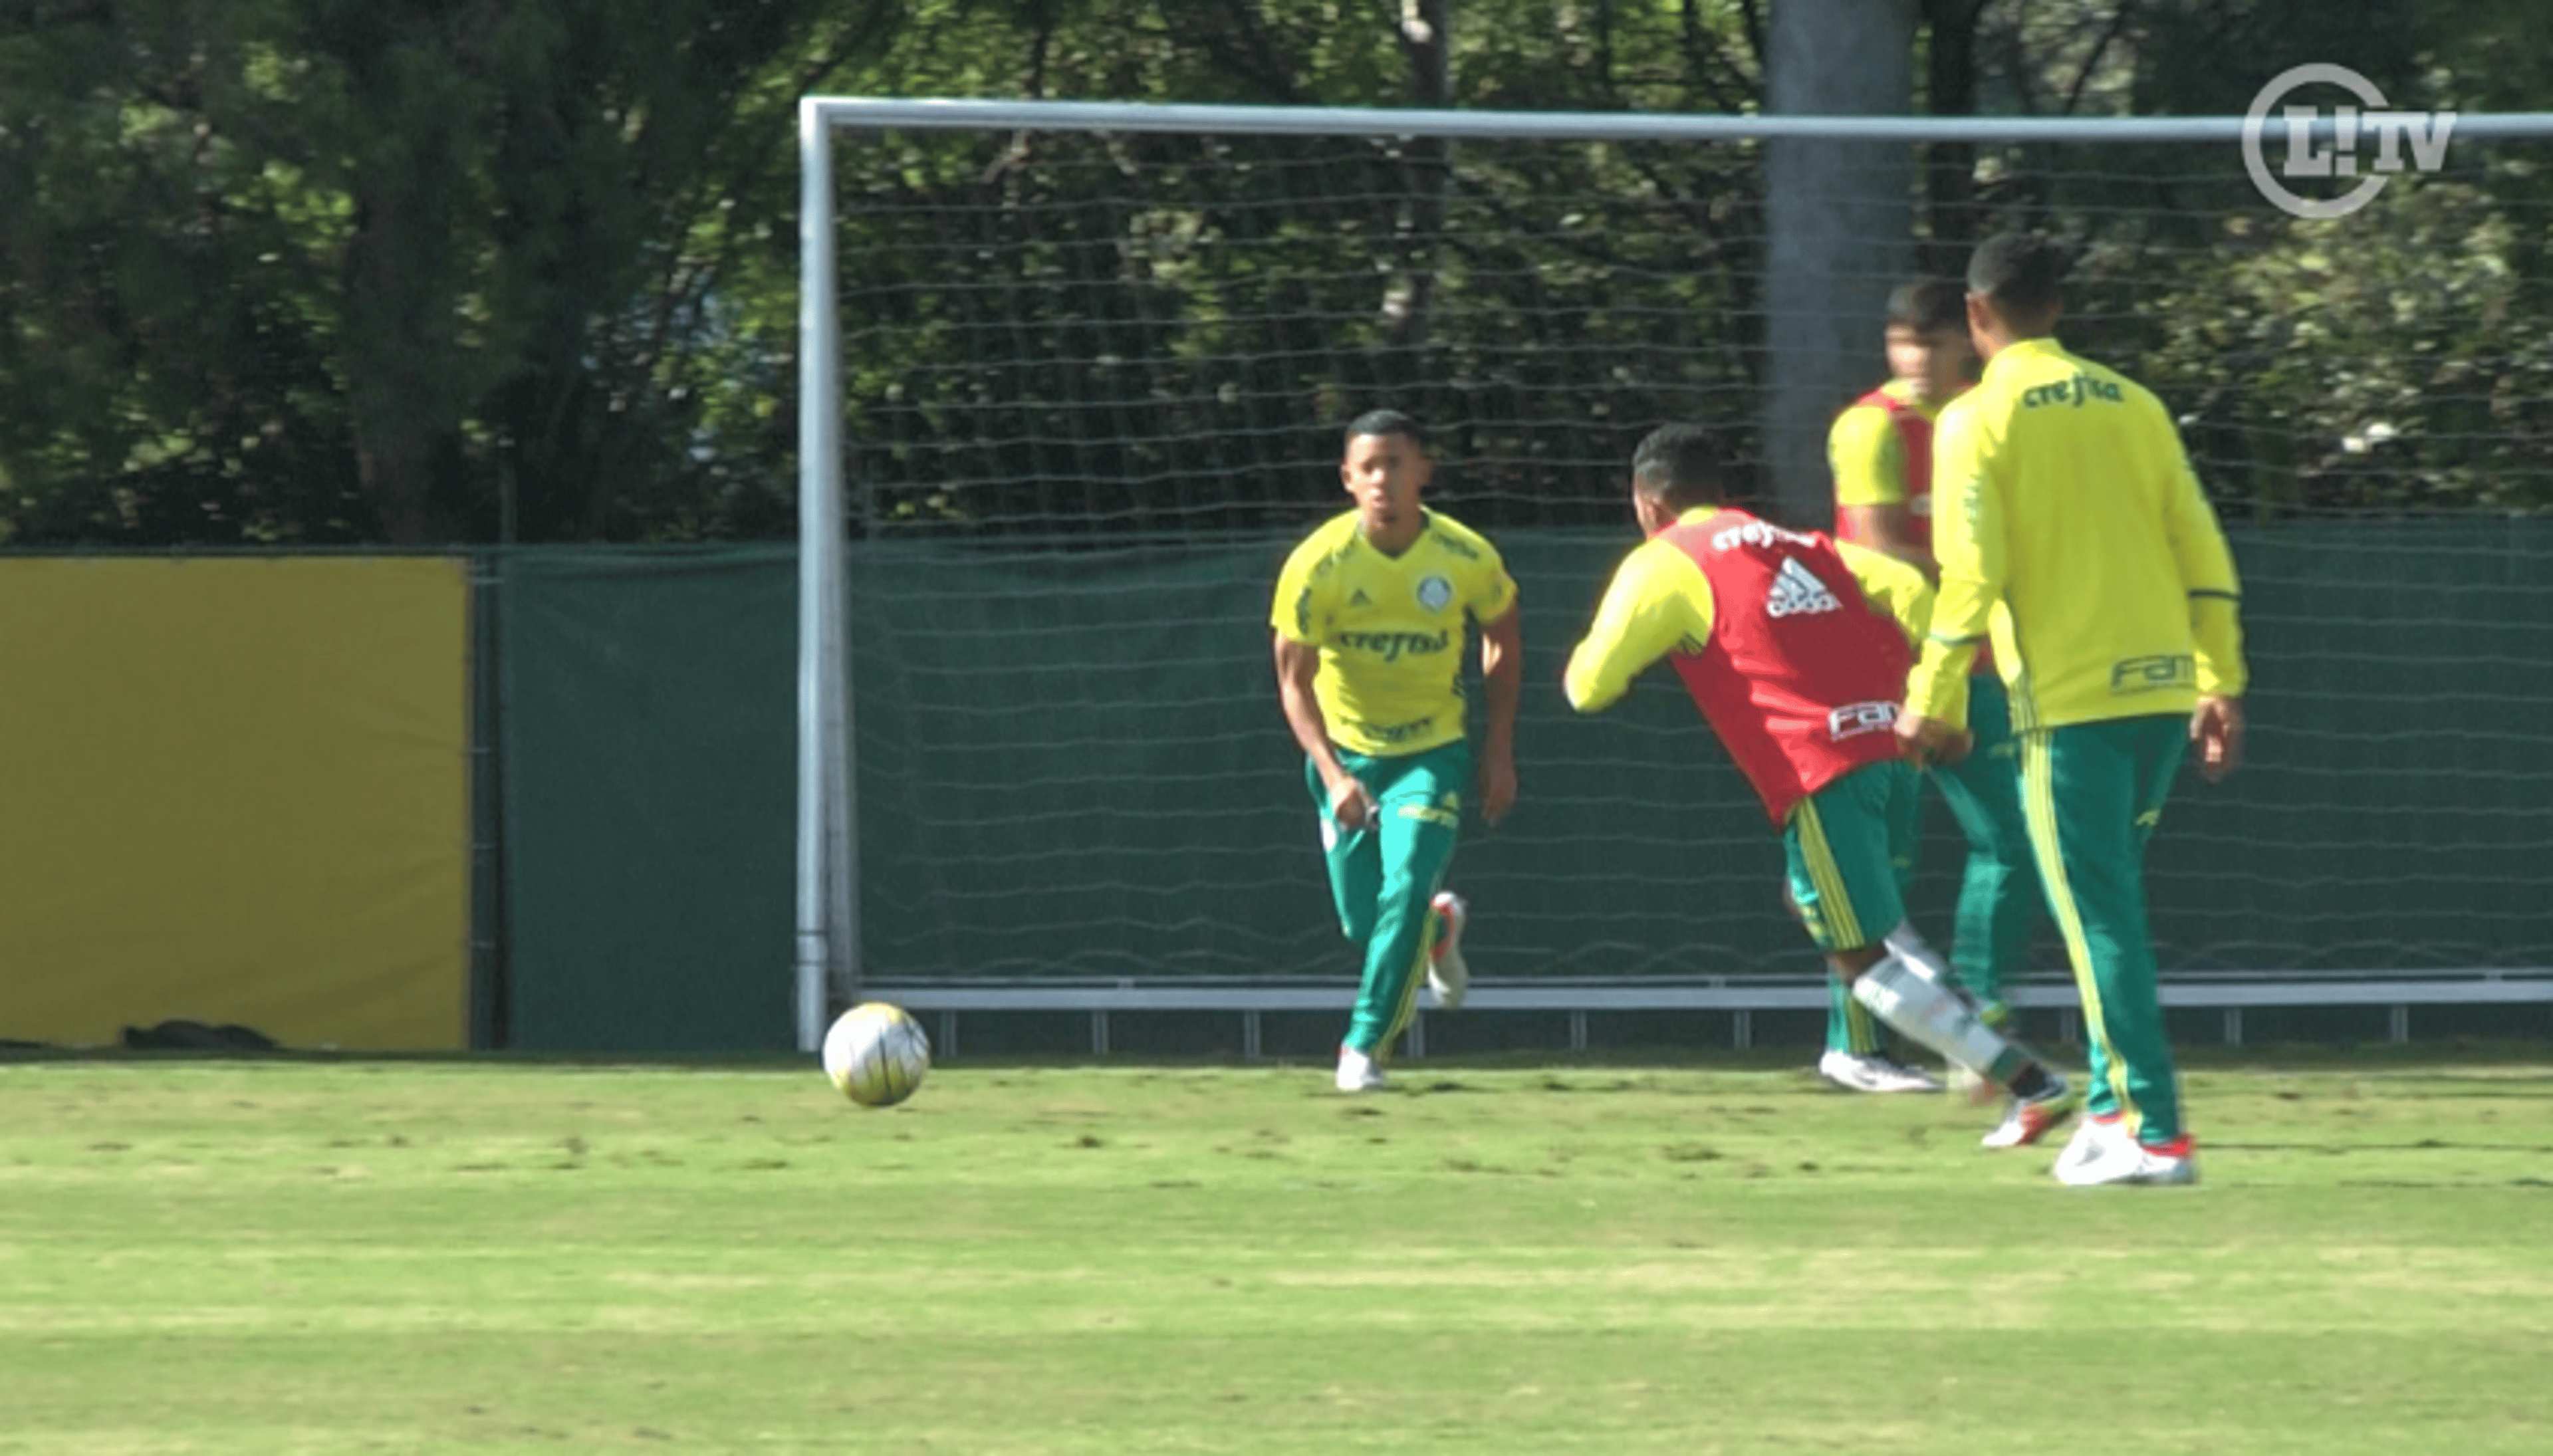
1866	456
1295	616
1658	601
1968	539
1297	664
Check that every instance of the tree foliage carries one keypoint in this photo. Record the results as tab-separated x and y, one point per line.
329	270
414	270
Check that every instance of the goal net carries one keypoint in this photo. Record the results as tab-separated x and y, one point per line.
1073	379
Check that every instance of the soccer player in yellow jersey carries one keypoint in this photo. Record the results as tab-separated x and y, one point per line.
2070	502
1372	615
1881	453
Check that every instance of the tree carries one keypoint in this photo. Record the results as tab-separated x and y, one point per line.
1838	228
166	323
320	270
326	271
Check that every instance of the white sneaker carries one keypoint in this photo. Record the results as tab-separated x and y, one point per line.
1447	976
1876	1073
1357	1071
2127	1162
2093	1138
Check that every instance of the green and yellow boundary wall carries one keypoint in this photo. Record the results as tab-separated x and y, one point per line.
541	799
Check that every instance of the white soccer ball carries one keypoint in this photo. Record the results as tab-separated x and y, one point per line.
877	1053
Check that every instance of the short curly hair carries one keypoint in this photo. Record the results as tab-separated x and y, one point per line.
2022	275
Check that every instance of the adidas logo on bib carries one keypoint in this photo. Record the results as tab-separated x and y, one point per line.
1796	592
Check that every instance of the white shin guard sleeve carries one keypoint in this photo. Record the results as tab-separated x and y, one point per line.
1910	997
1909	943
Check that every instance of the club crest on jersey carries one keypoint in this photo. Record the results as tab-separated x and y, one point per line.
1434	591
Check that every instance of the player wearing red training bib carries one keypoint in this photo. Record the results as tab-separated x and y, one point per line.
1880	451
1794	648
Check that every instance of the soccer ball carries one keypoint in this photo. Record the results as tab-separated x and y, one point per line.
877	1053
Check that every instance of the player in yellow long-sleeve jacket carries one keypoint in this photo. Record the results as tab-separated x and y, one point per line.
2069	501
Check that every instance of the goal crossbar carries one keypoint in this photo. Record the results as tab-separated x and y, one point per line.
863	113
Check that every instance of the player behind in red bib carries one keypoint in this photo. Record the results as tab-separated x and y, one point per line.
1881	453
1796	651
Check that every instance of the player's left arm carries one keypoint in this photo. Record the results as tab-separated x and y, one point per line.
1968	541
1502	686
1893	586
2215	592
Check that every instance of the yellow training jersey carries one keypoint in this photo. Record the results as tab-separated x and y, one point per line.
1391	629
2066	494
1868	455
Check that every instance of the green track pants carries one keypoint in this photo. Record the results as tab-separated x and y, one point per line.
2000	903
2094	792
1384	876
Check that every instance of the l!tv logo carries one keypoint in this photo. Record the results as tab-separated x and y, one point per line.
2337	149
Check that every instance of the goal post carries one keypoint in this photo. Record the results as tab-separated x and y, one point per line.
827	939
1057	480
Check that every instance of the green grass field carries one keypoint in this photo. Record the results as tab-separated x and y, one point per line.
288	1256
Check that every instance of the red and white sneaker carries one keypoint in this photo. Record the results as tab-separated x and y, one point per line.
1447	976
2032	1118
